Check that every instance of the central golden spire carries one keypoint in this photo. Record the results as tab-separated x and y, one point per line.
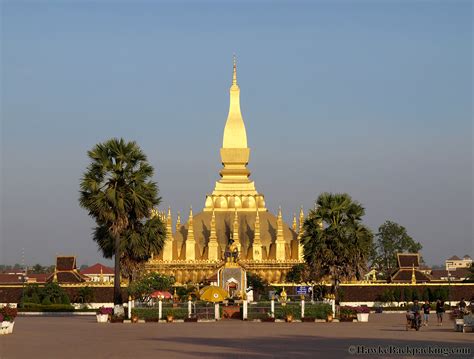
234	190
235	135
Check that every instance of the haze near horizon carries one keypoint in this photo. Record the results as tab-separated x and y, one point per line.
372	99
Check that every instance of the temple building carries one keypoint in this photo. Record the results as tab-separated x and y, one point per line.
234	214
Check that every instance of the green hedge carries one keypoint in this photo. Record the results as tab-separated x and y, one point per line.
177	313
282	312
317	311
33	307
152	313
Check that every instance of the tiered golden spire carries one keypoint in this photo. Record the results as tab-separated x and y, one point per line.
168	247
178	222
280	239
293	225
190	241
234	190
212	246
257	243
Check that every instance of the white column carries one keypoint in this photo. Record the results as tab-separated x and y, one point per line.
272	307
302	308
129	307
160	309
244	311
216	311
333	306
189	308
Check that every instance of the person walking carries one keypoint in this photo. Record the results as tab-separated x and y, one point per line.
426	312
439	311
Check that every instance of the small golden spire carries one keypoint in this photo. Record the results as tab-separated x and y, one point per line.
169	225
213	236
190	225
279	225
293	225
301	221
178	222
257	228
413	276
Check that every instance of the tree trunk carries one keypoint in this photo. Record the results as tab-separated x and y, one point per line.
117	289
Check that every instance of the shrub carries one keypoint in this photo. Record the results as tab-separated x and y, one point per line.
283	311
317	311
347	313
145	313
177	313
9	314
104	310
35	298
46	301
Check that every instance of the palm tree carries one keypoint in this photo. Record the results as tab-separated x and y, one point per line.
118	193
336	243
140	241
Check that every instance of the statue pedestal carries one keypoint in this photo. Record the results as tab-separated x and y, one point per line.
233	279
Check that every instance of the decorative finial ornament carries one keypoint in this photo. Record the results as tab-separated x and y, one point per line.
293	225
234	76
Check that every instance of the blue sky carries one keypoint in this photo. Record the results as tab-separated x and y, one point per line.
370	98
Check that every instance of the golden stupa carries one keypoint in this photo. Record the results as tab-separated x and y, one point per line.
233	212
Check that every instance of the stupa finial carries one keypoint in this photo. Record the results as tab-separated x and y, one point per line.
234	76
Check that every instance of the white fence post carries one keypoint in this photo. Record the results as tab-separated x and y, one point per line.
189	308
129	307
160	309
216	311
302	307
244	311
272	307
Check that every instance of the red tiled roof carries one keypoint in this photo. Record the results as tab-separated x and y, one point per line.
95	269
408	260
439	273
65	263
67	277
39	277
11	278
404	275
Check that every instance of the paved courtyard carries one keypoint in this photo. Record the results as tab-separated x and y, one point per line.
82	337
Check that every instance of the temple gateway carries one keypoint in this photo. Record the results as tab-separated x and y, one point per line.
234	225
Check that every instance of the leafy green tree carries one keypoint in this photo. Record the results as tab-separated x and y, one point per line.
143	287
391	239
297	274
118	193
85	295
38	269
140	240
256	283
54	293
336	243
